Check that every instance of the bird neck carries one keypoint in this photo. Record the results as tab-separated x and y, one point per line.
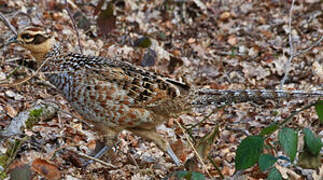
39	56
40	52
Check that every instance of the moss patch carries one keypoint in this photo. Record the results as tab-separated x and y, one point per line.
34	117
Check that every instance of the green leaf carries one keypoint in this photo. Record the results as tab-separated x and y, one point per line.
269	130
312	143
189	175
248	152
319	110
266	161
274	174
288	140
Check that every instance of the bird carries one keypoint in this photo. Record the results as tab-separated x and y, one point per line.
114	95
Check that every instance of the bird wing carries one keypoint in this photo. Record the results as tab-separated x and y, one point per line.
140	87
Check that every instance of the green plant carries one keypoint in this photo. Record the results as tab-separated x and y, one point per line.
251	150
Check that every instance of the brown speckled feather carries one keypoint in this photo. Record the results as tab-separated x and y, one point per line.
113	91
115	95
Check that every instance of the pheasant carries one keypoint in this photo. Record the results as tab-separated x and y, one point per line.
115	95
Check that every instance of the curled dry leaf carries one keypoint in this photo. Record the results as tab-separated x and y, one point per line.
46	169
106	20
10	110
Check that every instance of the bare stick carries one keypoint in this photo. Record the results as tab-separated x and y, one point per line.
8	24
25	79
94	159
74	27
195	151
291	47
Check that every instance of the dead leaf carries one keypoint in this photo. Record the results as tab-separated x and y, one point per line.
73	158
232	40
10	110
46	169
21	172
308	161
226	171
106	20
98	7
318	70
267	34
174	63
179	149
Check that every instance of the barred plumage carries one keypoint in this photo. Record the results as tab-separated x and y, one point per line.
223	97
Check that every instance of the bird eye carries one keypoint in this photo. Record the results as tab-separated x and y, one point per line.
26	36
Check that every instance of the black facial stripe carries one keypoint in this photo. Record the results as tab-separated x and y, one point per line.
38	39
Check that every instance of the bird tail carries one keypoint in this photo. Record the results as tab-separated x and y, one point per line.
215	97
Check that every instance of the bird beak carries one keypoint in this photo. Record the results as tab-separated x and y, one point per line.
12	40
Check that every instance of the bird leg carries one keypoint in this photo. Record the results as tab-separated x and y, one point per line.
152	135
110	138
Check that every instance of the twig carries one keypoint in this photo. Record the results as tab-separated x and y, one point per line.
25	79
195	151
282	124
291	47
244	131
94	159
134	161
8	24
74	27
204	119
216	167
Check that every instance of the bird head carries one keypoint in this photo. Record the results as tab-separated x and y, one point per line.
35	39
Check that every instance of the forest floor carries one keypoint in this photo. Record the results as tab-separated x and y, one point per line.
231	44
